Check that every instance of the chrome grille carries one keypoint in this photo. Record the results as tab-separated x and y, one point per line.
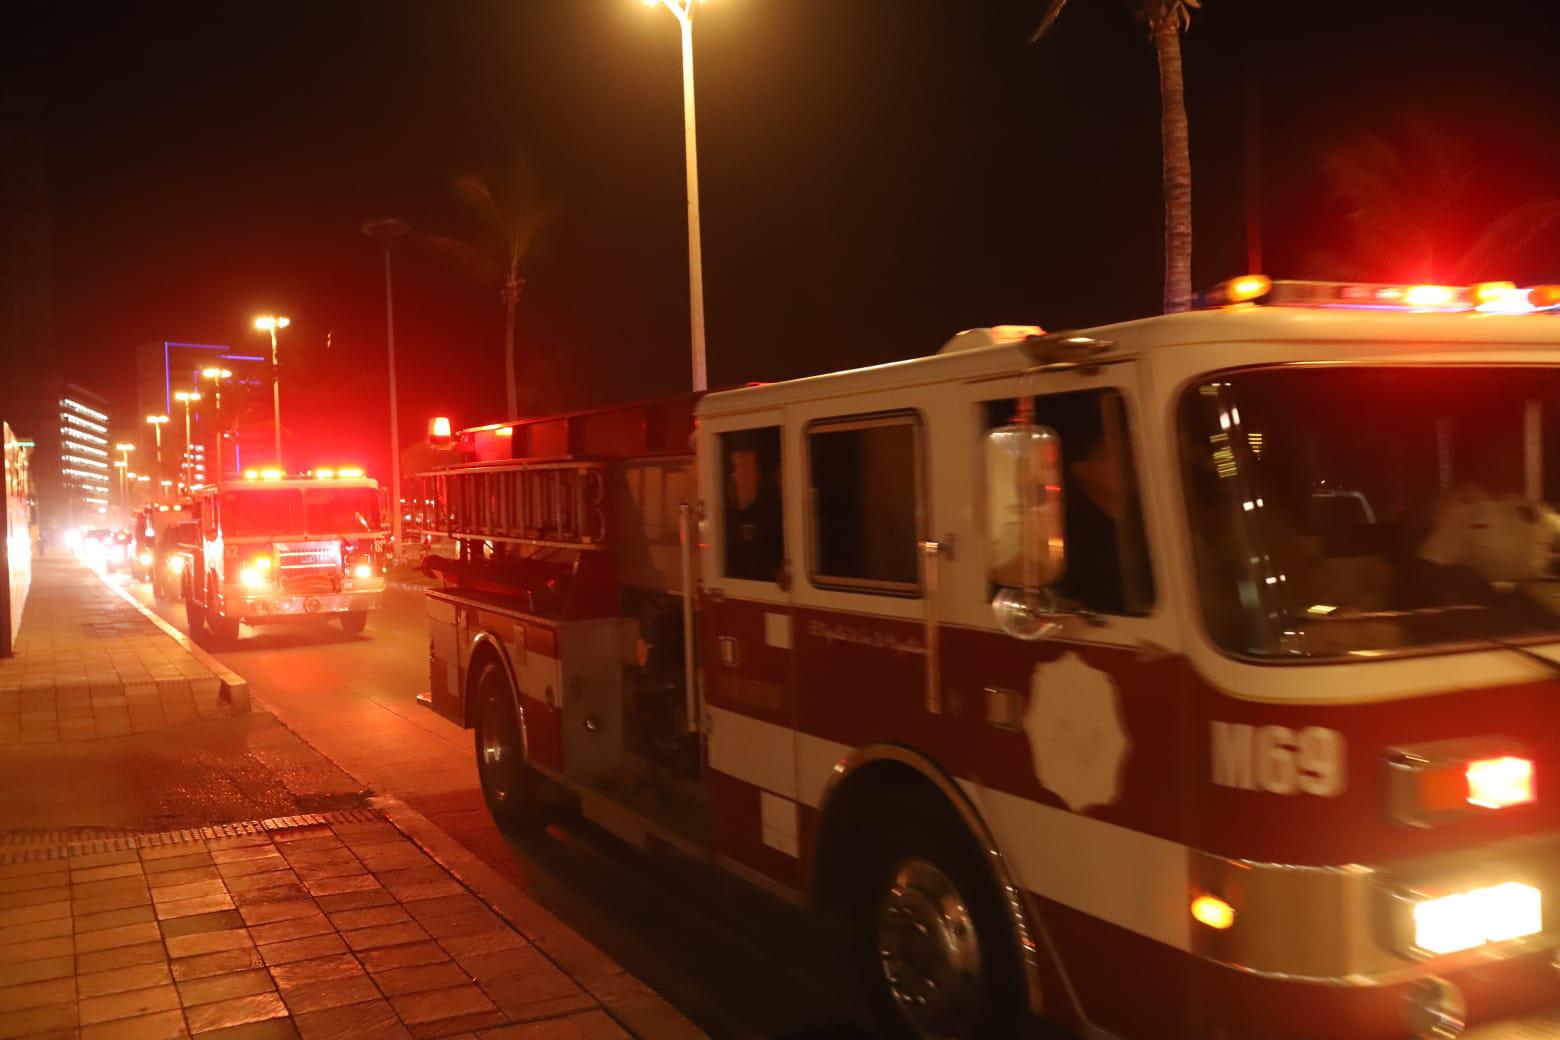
301	559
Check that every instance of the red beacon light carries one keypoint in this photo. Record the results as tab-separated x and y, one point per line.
1484	297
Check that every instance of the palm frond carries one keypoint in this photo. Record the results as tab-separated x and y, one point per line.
474	261
1507	238
1052	12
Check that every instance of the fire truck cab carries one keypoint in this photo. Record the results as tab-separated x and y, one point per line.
277	549
1186	677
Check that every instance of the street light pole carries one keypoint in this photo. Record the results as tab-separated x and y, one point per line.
156	422
216	375
270	323
387	230
187	397
683	10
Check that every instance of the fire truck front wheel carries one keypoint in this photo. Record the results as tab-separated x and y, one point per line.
928	932
353	622
223	627
194	614
513	791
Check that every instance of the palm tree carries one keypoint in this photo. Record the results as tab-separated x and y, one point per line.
1165	20
1401	190
507	221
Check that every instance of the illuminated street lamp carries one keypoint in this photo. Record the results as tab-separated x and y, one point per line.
270	323
216	375
156	422
186	398
123	466
683	10
386	231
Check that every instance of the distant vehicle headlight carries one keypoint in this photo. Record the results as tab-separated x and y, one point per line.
363	570
145	558
176	563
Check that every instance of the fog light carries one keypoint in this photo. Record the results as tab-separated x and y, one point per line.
1468	919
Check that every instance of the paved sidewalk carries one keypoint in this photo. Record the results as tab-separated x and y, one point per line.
336	920
88	664
330	926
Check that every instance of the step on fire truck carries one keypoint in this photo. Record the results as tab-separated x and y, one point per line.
1186	677
276	549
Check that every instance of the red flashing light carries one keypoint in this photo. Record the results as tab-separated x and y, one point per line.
1497	783
439	427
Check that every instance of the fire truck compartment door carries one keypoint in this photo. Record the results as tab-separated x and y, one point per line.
445	687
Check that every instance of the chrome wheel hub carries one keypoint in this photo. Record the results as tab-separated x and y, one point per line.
929	951
497	747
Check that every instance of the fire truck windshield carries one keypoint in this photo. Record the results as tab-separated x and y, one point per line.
254	512
338	510
1366	510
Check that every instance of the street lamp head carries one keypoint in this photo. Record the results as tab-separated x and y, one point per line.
272	322
186	395
124	447
385	229
156	420
216	373
121	464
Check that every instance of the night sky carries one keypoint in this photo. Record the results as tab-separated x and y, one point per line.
877	174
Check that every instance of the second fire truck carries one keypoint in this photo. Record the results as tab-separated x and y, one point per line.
1188	677
275	549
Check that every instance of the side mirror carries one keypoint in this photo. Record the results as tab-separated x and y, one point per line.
1026	545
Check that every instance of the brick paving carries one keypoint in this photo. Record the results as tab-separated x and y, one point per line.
89	665
333	926
327	923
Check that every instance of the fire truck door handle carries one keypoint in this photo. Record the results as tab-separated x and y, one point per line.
930	553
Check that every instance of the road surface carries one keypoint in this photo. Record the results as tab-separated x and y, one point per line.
737	963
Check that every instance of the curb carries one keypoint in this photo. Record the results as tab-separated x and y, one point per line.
234	687
640	1010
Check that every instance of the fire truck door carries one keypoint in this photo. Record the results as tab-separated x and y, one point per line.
746	633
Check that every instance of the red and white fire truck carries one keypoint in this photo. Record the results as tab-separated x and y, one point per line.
1186	677
272	548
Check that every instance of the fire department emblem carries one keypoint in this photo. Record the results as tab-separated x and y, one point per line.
1076	738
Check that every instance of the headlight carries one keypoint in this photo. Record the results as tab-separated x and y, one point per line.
146	559
363	570
251	578
1478	916
176	563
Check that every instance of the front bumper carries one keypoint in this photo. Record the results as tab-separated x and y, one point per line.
1346	925
281	606
1536	1027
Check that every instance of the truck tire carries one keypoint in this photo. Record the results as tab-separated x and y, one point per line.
514	793
194	614
929	935
354	621
224	628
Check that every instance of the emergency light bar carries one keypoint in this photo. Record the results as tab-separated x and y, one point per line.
1485	297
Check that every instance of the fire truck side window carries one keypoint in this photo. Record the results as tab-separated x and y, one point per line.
1107	568
865	476
753	522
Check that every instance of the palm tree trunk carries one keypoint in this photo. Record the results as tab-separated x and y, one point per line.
511	296
1177	165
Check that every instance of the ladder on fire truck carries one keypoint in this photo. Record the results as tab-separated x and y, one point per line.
540	504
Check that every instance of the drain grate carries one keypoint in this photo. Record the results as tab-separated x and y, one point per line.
33	846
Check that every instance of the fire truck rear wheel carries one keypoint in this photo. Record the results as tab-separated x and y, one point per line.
353	622
929	934
512	789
